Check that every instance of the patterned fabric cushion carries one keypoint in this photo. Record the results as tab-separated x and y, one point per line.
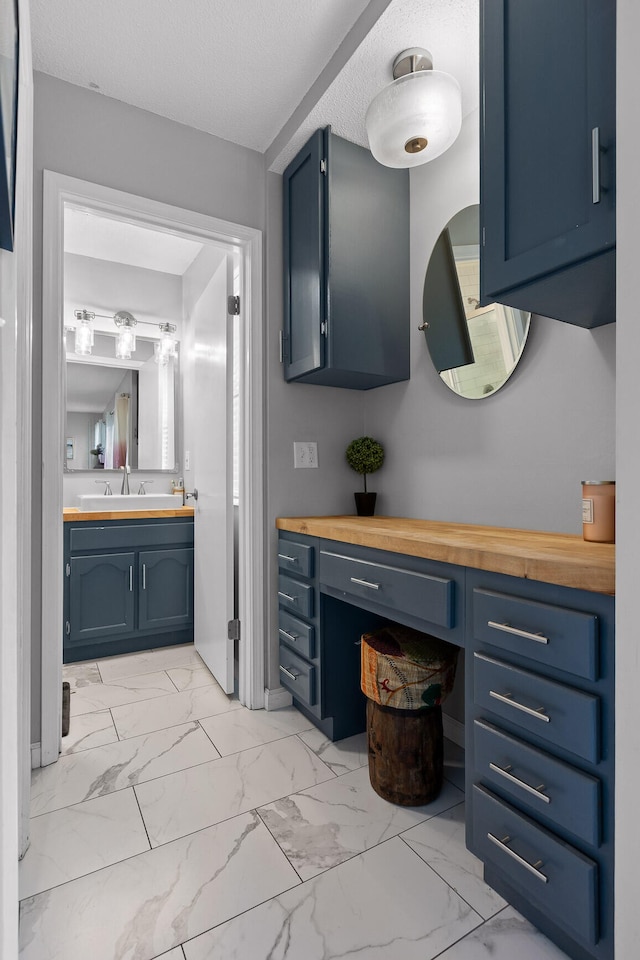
406	669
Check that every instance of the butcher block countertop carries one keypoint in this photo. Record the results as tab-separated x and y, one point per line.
72	513
559	558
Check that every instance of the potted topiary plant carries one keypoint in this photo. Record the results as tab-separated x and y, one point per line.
365	455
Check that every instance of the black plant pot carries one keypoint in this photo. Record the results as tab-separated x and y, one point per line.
365	504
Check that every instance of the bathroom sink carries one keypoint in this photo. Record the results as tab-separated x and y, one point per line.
94	502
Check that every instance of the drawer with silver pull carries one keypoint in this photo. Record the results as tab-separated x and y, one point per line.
555	877
555	636
298	676
294	557
429	597
547	788
295	596
298	635
555	712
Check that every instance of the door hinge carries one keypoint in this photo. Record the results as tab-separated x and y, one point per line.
483	237
68	569
233	306
323	167
233	630
324	326
282	339
67	628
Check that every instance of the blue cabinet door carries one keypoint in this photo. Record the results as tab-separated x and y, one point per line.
548	157
165	584
101	596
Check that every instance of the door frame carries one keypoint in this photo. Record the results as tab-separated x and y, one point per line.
58	190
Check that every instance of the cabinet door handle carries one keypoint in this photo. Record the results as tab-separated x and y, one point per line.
507	628
506	773
144	576
289	636
130	578
365	583
533	868
283	556
538	712
292	676
287	596
595	165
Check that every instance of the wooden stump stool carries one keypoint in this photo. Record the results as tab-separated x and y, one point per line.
406	675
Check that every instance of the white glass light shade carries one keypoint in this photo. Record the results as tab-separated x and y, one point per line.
125	343
166	348
425	105
84	338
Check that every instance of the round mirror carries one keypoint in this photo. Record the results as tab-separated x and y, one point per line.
474	349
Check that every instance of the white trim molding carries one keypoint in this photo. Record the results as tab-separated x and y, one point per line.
36	756
58	191
276	699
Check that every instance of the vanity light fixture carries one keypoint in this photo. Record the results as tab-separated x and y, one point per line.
418	116
84	332
165	349
126	339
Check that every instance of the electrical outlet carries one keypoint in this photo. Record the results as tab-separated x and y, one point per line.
305	454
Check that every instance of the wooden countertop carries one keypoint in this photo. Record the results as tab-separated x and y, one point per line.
73	513
559	558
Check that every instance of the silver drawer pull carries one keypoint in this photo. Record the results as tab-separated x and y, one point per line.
533	868
506	773
130	579
289	636
283	556
286	596
507	628
366	583
292	676
595	165
507	698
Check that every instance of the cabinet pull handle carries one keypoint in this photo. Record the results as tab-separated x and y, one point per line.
292	676
144	576
287	596
595	165
130	578
506	773
365	583
289	636
538	712
283	556
507	628
533	868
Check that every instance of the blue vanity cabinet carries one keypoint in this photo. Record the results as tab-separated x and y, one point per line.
547	168
346	267
540	752
128	585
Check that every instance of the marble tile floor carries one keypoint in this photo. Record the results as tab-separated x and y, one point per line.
178	824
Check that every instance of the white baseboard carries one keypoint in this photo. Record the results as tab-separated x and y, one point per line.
453	730
275	699
36	756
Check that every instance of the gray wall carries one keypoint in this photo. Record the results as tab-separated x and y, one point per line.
515	458
83	134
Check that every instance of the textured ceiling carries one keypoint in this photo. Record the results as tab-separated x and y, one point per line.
233	68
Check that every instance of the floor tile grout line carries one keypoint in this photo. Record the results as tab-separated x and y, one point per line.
275	840
171	680
433	870
470	933
209	737
144	823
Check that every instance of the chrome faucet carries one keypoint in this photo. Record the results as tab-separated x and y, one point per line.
107	487
125	479
141	489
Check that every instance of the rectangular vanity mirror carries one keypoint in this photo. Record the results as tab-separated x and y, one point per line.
120	412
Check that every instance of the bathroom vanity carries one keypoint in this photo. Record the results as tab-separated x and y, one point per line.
535	614
128	581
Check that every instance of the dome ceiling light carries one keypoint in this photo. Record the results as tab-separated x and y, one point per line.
418	116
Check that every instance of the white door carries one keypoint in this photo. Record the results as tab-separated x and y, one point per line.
208	409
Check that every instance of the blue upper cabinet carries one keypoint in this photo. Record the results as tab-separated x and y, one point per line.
346	267
548	157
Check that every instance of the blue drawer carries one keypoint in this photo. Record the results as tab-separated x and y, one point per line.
556	713
548	788
111	535
421	595
298	676
295	596
555	636
296	634
297	558
553	876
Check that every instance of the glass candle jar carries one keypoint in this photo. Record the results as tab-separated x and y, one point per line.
599	510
